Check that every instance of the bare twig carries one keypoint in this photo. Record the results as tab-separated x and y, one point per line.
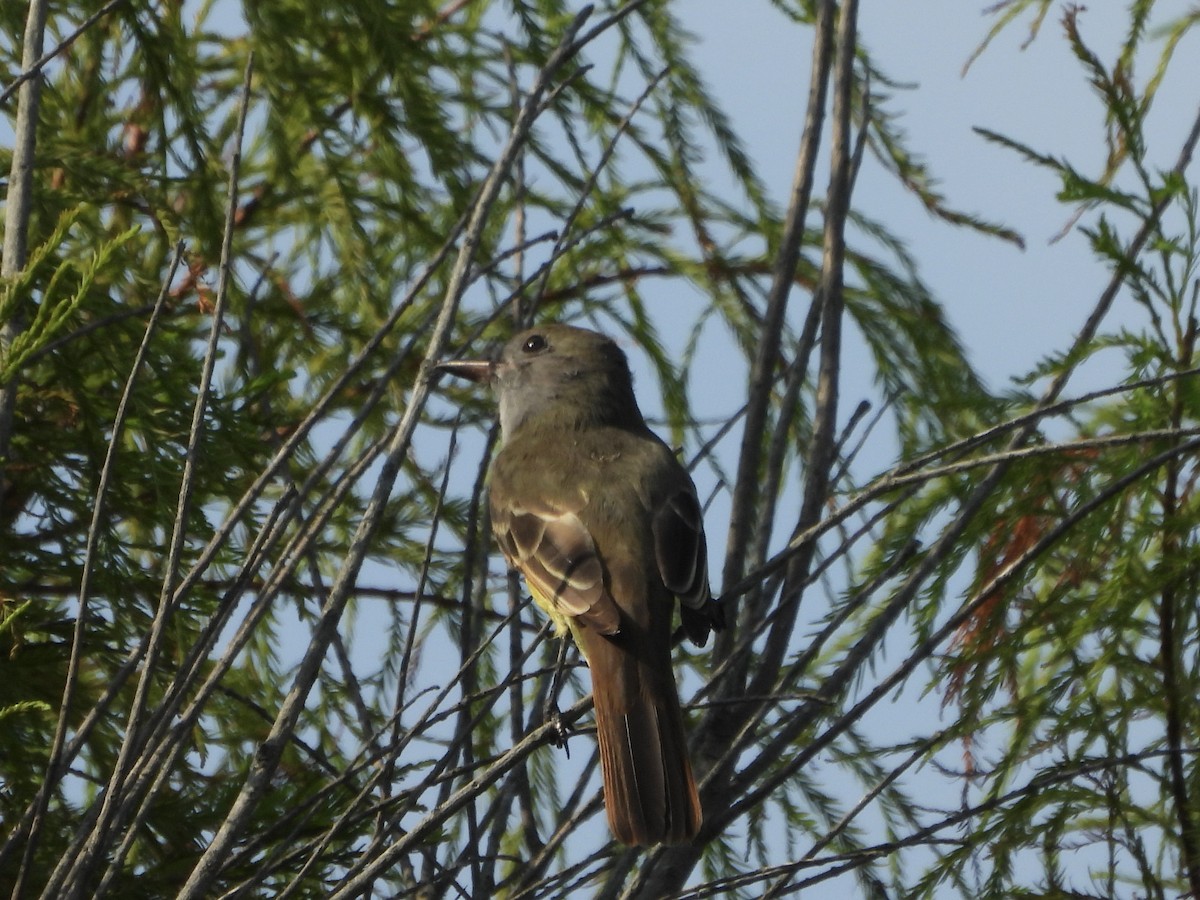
1171	657
268	755
17	207
75	879
53	766
821	458
837	681
31	71
762	373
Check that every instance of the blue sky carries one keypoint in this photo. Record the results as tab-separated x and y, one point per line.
1010	306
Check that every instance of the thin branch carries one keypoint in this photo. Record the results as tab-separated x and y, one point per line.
1171	659
911	472
53	766
18	206
30	71
590	185
671	866
821	456
779	888
266	759
837	681
762	373
74	880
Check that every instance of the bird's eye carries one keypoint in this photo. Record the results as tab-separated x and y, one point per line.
535	343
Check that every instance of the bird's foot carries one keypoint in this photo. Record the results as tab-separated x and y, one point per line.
559	730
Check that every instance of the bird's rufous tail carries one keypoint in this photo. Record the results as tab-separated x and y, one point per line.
649	791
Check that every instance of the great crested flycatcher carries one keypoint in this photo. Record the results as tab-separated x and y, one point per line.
604	523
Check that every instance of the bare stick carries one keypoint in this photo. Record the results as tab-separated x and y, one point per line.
16	213
31	71
266	759
102	834
53	772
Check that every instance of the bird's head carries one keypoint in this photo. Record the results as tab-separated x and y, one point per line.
557	376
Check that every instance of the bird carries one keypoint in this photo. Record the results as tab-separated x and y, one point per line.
604	523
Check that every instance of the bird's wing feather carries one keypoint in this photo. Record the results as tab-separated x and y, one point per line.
680	548
555	553
682	556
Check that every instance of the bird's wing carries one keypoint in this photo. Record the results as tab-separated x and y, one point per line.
681	552
554	551
680	547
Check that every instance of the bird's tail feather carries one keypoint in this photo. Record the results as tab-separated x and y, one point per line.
649	790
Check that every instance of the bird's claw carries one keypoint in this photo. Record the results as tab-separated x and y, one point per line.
559	731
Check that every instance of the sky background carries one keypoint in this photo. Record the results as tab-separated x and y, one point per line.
1010	307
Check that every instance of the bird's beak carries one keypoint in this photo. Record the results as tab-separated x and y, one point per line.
478	370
